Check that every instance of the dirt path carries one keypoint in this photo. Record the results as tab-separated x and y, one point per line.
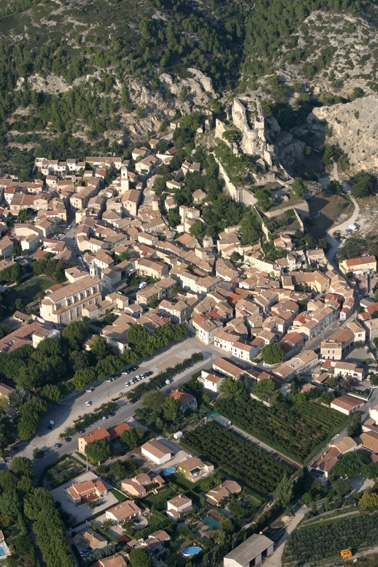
266	447
275	560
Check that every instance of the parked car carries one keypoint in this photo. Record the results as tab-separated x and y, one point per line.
57	445
89	390
88	403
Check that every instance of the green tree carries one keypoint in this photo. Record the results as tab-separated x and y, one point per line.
37	501
99	451
363	185
23	216
351	465
335	187
84	377
273	353
173	217
138	335
298	187
231	388
30	417
197	229
153	400
264	389
10	503
99	347
51	393
355	425
232	136
263	199
140	558
342	488
284	490
369	500
21	466
18	397
75	333
171	409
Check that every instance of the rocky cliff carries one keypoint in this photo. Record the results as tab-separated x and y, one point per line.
354	127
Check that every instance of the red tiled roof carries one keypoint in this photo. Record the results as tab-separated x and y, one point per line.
116	431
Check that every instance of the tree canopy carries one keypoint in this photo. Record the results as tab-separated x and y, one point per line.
99	451
273	353
363	185
140	558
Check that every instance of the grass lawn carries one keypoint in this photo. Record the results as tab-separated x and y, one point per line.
283	223
29	290
63	471
159	500
119	495
293	200
327	210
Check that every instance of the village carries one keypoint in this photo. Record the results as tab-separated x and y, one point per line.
298	326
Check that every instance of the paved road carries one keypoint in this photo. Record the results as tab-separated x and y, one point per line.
71	407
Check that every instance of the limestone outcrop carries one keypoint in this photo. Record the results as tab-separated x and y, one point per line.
354	127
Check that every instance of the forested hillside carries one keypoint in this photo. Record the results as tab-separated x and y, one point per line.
68	68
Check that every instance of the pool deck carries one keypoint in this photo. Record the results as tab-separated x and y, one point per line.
4	546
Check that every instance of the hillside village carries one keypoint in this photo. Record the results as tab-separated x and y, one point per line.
282	320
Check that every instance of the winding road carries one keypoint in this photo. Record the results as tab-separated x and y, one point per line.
342	226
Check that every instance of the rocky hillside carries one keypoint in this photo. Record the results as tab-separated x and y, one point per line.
91	75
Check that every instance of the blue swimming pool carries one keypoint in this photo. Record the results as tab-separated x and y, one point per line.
192	550
2	551
169	471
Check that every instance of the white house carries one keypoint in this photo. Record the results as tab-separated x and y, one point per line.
206	328
123	512
373	412
178	506
210	381
156	452
243	350
224	340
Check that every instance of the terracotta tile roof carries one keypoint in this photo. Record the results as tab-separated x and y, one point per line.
96	435
116	431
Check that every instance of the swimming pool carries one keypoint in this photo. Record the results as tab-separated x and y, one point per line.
2	551
209	521
192	550
169	471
